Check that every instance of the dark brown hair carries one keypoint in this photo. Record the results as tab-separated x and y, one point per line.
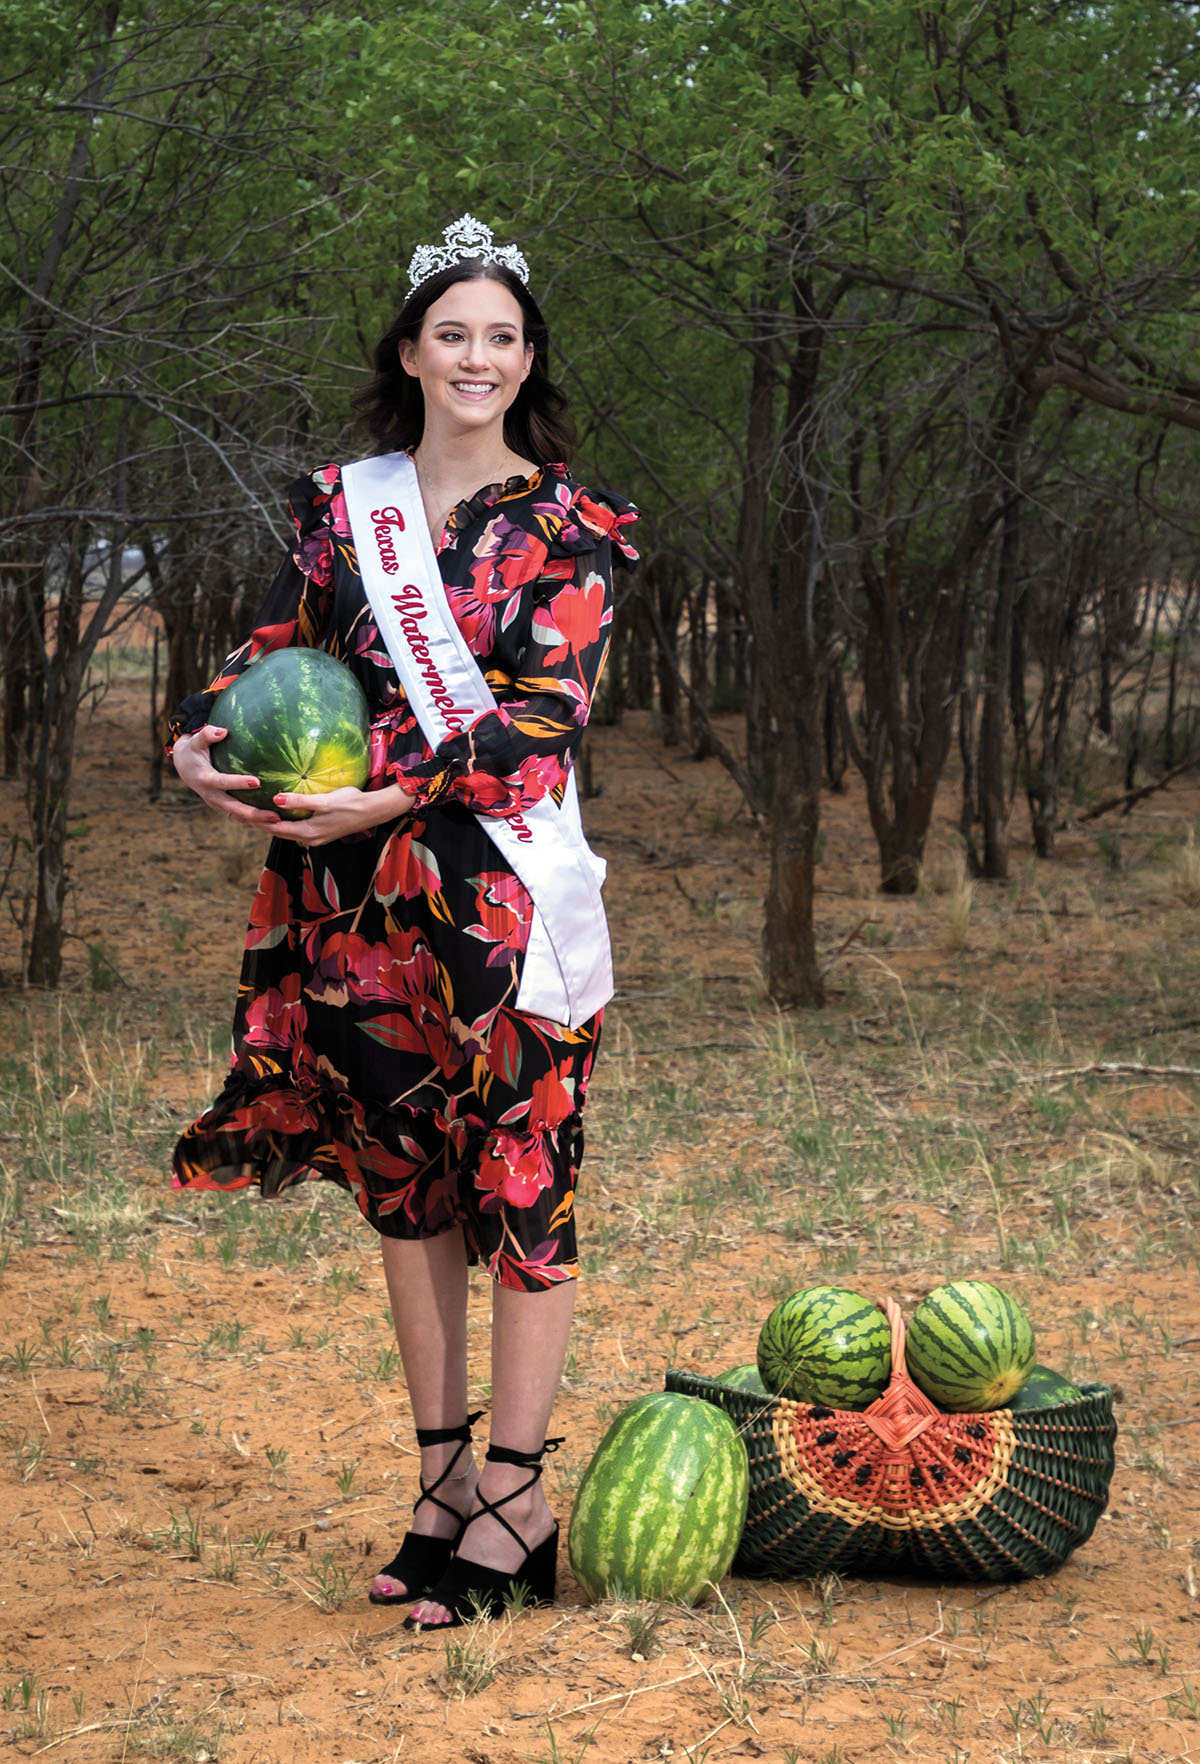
391	406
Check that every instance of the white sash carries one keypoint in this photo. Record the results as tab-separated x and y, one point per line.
568	964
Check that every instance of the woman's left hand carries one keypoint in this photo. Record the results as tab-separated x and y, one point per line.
340	812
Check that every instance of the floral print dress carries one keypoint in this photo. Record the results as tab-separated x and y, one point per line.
376	1037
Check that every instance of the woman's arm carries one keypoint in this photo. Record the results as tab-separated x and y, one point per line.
294	613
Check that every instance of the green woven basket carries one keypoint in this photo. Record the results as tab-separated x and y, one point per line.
901	1485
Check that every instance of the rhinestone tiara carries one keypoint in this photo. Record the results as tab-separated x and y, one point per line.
465	238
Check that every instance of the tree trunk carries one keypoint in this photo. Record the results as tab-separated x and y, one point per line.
50	785
834	744
993	722
699	728
789	949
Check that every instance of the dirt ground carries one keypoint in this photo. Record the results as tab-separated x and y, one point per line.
207	1449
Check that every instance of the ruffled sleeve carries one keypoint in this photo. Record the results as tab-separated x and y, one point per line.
561	566
296	610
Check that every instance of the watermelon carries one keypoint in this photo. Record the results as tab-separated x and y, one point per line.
1043	1389
826	1345
297	720
744	1378
660	1510
970	1346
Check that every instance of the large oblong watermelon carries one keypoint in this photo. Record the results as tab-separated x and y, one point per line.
660	1510
970	1346
826	1345
297	720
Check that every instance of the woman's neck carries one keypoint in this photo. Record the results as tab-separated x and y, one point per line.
451	469
468	461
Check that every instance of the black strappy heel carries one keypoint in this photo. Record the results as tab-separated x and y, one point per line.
420	1560
469	1589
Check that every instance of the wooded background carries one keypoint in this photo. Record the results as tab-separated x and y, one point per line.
884	313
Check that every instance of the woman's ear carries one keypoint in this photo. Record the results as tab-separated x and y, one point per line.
408	355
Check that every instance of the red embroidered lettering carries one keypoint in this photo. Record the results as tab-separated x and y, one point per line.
381	520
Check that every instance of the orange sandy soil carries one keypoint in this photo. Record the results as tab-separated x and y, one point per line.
206	1450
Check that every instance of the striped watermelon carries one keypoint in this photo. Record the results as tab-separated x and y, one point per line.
970	1346
1042	1390
744	1378
826	1345
297	720
662	1504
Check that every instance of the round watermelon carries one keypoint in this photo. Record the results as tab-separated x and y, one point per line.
970	1346
660	1510
744	1378
1043	1389
297	720
826	1345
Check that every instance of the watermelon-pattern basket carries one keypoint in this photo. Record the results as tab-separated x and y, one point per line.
901	1485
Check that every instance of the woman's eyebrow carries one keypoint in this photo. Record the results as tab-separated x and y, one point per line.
491	325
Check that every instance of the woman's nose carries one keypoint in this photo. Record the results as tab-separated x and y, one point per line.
474	353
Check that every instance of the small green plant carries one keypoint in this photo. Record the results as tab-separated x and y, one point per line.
642	1624
821	1655
27	1454
557	1756
103	971
178	926
1185	1704
982	1627
1099	1720
948	1713
328	1584
23	1356
276	1463
387	1365
1032	1712
29	1699
899	1729
346	1475
471	1663
225	1566
261	1541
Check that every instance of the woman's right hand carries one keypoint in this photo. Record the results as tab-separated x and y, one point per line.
191	759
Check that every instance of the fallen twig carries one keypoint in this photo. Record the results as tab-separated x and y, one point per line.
1113	1069
1128	798
615	1697
843	946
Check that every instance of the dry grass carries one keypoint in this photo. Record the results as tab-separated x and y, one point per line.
1184	872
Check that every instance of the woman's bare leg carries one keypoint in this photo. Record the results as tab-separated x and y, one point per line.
529	1346
427	1287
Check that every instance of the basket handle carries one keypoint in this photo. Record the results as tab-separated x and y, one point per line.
895	1317
903	1412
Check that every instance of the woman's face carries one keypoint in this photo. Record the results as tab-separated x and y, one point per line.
471	357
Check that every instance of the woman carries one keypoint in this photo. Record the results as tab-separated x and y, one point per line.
377	1036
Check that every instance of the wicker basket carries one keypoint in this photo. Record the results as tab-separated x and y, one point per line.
902	1485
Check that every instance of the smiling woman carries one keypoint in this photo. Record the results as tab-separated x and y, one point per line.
380	1038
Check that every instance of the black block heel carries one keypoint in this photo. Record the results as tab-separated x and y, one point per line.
468	1589
421	1560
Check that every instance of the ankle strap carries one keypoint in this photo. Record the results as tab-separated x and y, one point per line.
432	1436
523	1460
